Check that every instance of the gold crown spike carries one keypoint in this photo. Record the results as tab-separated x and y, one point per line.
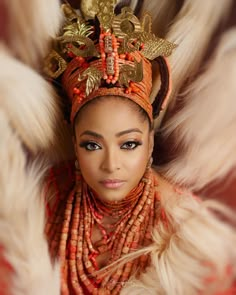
106	13
89	8
146	22
126	23
69	12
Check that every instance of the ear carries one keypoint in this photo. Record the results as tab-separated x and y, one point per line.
151	143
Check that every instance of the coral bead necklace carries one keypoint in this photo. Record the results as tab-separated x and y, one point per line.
70	229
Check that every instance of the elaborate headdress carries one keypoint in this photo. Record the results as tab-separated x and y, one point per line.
109	59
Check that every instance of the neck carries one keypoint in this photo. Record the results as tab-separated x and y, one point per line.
115	208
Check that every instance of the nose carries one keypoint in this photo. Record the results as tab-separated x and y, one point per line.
110	161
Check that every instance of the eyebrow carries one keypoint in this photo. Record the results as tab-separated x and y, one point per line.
97	135
128	131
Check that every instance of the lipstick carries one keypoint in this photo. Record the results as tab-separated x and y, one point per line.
112	183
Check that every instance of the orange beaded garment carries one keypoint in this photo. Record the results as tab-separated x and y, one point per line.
69	231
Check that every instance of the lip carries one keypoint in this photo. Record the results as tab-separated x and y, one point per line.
112	183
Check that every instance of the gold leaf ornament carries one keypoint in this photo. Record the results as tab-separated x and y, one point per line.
79	28
131	73
76	33
154	46
93	76
75	43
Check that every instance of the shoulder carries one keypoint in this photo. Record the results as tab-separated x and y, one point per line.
195	246
177	202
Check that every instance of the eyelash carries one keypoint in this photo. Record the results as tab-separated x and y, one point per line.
93	146
133	143
86	144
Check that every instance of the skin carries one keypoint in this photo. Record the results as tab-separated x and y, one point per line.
113	144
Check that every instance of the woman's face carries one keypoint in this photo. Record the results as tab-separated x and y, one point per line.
113	144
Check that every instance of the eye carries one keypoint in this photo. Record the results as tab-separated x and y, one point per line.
90	146
130	145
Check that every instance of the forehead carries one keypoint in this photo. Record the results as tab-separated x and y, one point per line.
110	113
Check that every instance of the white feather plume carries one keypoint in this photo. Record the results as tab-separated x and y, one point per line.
29	27
191	30
22	219
31	106
183	254
206	126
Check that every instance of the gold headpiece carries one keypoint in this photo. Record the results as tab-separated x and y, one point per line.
108	60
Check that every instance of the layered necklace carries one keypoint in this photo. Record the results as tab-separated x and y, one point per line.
69	231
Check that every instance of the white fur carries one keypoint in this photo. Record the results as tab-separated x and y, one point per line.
194	246
31	106
22	219
205	127
30	25
191	30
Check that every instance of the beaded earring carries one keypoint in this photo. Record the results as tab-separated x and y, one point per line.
149	163
77	165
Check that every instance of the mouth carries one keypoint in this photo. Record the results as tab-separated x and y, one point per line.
112	183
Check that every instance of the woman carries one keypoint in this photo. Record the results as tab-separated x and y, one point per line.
115	224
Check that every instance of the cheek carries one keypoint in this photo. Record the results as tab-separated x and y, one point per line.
86	161
138	160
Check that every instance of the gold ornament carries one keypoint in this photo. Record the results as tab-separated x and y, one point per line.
126	23
131	73
75	43
69	12
154	46
89	8
146	22
93	76
131	35
106	13
54	65
76	34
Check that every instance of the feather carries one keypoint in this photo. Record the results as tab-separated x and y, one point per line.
191	30
29	27
22	219
32	107
183	253
205	127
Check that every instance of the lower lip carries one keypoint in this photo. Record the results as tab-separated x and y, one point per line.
112	184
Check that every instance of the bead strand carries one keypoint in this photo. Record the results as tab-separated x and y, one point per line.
79	214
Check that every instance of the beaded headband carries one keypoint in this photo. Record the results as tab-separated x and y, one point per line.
109	57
